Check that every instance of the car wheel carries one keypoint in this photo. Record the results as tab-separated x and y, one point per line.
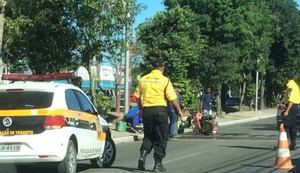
69	164
108	157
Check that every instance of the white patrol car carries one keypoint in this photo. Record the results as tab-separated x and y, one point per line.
46	122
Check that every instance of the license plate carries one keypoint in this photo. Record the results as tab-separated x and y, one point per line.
10	148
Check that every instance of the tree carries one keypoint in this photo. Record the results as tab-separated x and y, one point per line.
219	65
173	36
40	32
258	28
284	53
245	25
63	34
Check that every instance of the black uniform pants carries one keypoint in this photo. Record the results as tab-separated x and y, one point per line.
156	131
290	123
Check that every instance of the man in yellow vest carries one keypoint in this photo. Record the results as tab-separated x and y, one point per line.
291	101
153	92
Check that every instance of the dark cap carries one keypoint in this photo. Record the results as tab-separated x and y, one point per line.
289	75
159	63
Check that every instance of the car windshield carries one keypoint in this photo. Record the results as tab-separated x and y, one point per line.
25	100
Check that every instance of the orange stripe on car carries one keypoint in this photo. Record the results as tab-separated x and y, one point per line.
48	112
102	136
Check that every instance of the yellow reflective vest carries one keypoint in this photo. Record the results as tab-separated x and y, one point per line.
154	88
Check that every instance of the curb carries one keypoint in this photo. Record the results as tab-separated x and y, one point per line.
139	137
245	120
132	138
240	121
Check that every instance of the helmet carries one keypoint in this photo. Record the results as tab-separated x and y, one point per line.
181	127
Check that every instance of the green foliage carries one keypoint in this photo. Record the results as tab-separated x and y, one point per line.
275	102
20	66
104	101
189	94
250	92
62	34
174	36
249	26
284	53
220	64
40	32
205	42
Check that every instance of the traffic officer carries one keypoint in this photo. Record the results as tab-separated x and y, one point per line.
291	101
153	92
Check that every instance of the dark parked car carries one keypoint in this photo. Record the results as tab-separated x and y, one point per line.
233	101
280	109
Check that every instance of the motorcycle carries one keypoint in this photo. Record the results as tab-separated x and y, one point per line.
204	125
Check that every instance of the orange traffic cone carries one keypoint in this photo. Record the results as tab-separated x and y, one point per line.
283	158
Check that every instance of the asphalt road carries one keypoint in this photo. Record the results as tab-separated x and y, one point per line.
242	148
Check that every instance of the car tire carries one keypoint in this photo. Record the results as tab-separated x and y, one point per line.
108	157
69	163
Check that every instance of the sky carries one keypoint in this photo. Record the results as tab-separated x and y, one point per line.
153	6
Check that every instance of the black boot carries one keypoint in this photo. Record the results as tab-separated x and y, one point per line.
142	160
159	167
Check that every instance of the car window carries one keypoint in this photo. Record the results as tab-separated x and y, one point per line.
87	106
72	101
25	100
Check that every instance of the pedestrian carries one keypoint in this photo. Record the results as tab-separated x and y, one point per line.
77	81
132	118
205	106
152	93
173	114
205	102
291	101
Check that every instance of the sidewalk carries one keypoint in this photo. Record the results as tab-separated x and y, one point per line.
223	120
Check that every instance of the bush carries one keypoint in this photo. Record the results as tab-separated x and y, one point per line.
104	101
275	101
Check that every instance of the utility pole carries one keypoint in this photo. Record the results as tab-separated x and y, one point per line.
256	84
127	59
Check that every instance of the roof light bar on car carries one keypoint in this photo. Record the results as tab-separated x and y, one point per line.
46	77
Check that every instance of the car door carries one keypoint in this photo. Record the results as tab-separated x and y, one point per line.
94	130
79	120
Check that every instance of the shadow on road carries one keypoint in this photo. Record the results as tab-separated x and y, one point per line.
264	127
83	167
129	169
296	163
251	147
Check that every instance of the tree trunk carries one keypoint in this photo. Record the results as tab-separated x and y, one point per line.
242	96
2	14
219	105
262	93
92	86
